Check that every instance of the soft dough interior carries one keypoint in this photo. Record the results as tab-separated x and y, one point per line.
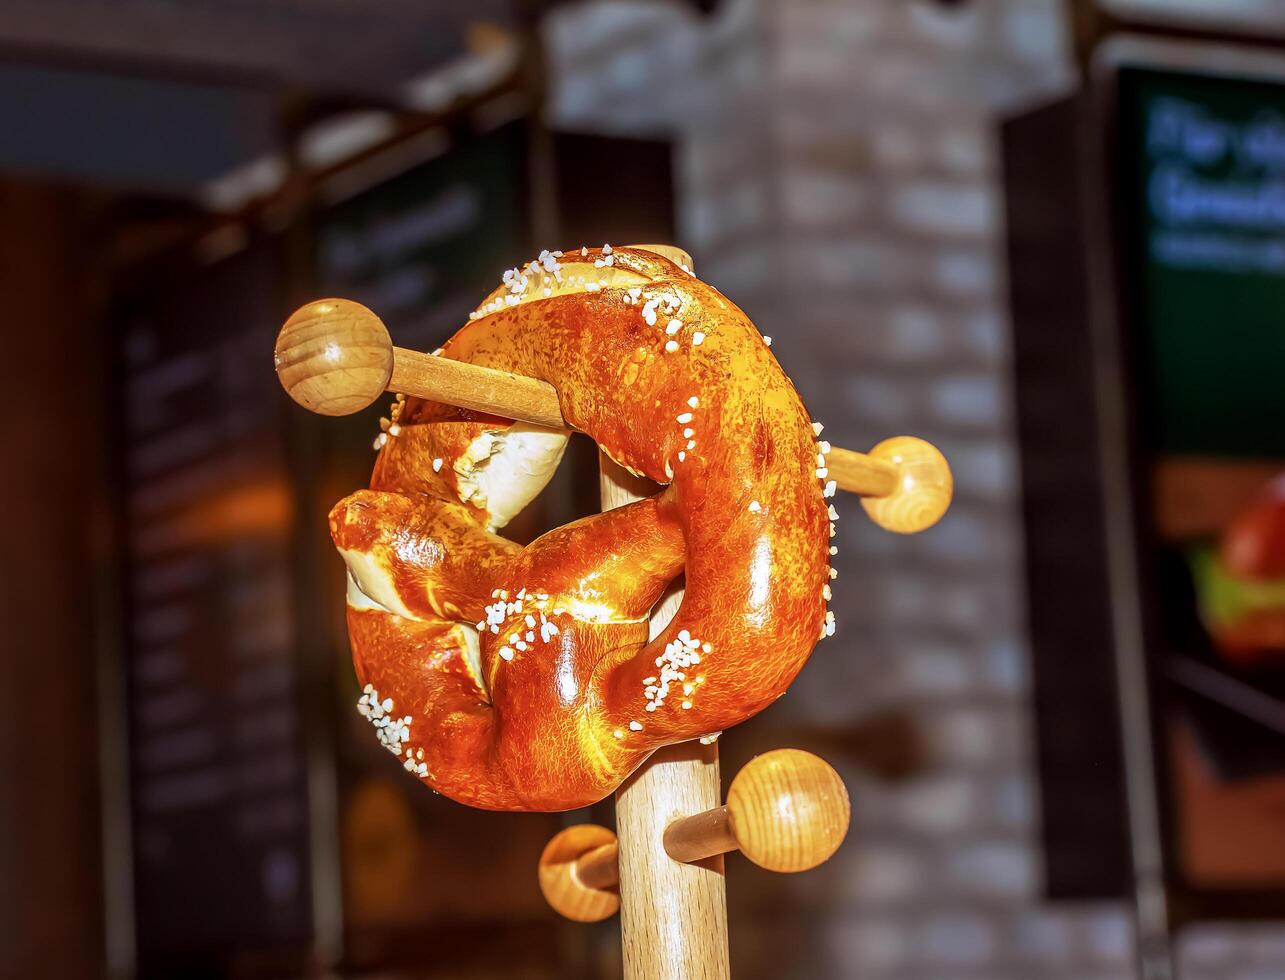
503	470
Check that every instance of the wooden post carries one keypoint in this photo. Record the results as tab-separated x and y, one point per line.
673	916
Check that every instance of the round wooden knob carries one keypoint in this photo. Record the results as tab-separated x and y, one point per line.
923	493
334	356
579	874
788	810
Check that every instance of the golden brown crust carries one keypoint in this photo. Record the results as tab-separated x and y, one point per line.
671	380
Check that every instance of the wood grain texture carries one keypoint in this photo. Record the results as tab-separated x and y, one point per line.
334	356
599	868
858	473
700	836
673	917
578	896
789	810
481	389
923	489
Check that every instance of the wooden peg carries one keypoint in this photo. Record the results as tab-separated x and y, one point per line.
335	357
787	811
673	920
922	489
578	873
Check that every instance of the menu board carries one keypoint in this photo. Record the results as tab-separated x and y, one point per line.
220	816
1204	203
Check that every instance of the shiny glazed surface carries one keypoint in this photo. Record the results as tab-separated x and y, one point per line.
522	678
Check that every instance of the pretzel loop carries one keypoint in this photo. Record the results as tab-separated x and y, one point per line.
522	678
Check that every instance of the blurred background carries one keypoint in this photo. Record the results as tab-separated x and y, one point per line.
1047	235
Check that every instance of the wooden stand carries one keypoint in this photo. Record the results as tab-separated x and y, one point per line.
673	917
786	811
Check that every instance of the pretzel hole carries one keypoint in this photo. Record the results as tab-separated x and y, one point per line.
570	494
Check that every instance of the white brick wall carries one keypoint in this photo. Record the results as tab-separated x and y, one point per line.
837	178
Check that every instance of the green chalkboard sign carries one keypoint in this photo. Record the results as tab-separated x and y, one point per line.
1207	160
1202	216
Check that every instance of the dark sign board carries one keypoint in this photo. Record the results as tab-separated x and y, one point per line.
220	810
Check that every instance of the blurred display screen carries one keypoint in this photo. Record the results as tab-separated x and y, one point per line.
1204	171
218	783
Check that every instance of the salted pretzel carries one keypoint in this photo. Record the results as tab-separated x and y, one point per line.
523	678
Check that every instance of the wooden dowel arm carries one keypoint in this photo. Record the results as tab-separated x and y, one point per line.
787	811
480	389
859	473
335	357
702	835
689	839
599	868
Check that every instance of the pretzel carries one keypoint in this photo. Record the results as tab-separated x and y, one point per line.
523	678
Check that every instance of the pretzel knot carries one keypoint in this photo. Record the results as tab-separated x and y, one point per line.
523	678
